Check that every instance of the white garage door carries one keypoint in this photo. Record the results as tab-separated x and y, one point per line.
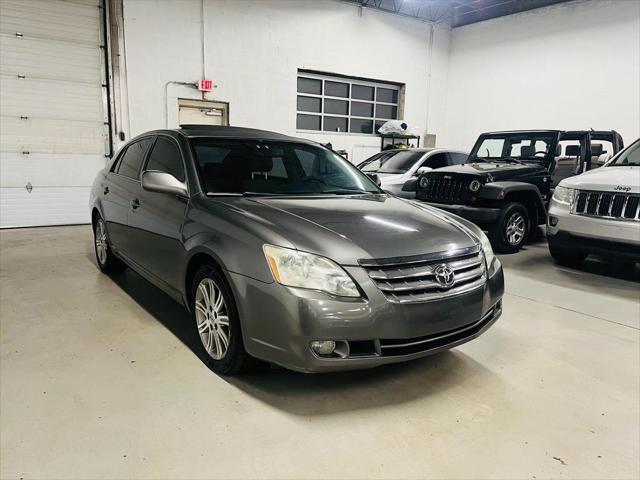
52	124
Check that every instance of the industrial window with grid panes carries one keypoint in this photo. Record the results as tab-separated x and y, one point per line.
344	104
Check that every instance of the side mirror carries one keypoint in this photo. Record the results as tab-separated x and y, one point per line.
604	158
422	170
375	178
163	182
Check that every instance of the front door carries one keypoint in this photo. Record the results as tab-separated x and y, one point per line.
155	225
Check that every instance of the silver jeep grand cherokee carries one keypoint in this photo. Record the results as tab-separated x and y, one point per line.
283	251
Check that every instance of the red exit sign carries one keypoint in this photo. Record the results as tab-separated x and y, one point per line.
205	85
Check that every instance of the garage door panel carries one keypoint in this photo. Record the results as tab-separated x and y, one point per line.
52	126
41	170
42	59
51	136
62	100
52	19
47	206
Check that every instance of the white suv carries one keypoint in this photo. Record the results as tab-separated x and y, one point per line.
598	211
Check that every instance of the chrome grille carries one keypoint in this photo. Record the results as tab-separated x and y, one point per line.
413	279
445	188
618	206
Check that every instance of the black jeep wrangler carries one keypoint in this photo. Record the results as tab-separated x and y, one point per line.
508	179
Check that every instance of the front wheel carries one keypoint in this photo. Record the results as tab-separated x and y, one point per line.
511	230
216	318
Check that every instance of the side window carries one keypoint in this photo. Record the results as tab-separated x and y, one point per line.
456	158
166	157
436	161
129	166
118	159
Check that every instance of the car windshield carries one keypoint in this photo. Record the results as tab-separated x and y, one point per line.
393	162
628	158
230	166
520	146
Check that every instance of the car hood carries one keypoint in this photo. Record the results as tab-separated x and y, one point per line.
392	178
496	170
349	228
610	179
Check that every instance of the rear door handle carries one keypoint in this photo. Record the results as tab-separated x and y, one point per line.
135	203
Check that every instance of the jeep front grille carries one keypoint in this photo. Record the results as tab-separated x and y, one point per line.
618	206
446	188
413	279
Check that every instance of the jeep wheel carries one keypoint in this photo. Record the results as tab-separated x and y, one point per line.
566	258
511	230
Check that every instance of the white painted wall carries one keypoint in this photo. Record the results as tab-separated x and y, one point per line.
254	48
569	66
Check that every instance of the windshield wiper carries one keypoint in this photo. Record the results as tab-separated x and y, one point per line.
347	192
261	194
515	160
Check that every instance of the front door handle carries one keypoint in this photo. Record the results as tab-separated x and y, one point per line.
135	203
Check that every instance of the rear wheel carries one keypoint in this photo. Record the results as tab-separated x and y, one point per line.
216	319
107	261
511	230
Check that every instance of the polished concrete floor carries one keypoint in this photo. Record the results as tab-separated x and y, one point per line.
98	381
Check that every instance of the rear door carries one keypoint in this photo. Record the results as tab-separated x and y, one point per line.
120	188
155	224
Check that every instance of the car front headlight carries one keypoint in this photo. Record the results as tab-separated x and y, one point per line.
294	268
486	248
563	195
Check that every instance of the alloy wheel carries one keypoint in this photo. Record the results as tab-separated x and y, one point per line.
515	230
212	319
101	242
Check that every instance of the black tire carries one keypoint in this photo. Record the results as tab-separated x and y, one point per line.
235	360
501	234
567	258
106	260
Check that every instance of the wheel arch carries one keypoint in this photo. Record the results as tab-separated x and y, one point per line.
524	193
195	261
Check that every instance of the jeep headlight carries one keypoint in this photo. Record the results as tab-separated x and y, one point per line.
563	195
486	248
294	268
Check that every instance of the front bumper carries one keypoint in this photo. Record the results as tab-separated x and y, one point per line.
279	323
477	215
586	234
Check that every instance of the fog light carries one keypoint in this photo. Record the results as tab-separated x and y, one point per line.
553	221
323	347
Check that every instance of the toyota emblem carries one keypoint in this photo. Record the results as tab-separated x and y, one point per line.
424	181
445	276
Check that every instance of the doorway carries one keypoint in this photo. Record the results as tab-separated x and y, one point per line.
202	112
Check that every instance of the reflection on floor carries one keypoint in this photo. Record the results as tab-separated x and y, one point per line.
98	380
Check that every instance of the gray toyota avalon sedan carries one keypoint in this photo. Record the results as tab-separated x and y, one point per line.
285	252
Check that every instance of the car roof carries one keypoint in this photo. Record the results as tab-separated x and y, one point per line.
502	132
570	132
217	131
